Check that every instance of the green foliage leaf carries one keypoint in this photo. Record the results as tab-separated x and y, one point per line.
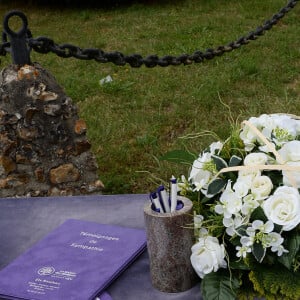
239	265
234	161
277	228
219	286
293	245
205	200
259	252
236	239
179	156
216	186
241	231
275	176
258	214
219	162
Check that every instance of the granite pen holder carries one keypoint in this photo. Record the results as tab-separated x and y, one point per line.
169	242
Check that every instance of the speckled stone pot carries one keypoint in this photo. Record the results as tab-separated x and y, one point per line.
169	243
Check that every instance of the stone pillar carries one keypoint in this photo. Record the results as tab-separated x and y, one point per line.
44	150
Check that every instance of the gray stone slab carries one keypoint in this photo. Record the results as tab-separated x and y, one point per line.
23	221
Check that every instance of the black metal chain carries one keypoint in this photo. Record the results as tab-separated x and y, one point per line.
45	45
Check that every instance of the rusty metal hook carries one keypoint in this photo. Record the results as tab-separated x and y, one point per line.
19	48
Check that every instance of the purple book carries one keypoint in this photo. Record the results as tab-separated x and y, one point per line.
76	261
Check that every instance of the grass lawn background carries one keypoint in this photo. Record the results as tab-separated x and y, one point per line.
145	112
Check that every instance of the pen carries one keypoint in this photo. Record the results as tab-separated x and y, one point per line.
154	199
173	193
163	197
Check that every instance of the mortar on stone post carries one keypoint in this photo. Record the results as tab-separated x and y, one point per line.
169	241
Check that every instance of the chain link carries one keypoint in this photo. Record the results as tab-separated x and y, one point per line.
45	45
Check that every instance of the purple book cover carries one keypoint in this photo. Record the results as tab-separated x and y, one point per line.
76	261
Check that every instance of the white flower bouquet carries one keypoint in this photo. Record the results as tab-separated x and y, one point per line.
247	211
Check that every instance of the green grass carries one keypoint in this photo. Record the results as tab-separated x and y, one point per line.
144	112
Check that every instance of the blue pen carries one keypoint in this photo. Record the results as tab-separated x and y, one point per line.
163	197
173	193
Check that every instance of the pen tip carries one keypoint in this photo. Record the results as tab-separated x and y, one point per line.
153	195
173	180
160	188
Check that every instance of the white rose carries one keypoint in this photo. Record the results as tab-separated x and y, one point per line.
247	176
208	256
255	159
283	207
261	187
292	177
290	151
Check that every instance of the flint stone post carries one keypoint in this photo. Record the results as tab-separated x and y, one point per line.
44	150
